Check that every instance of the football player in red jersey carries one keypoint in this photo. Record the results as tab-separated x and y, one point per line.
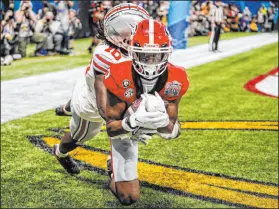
148	72
89	95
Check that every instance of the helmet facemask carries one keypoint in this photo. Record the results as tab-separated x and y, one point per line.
150	61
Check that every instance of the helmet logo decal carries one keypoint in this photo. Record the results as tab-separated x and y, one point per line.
126	83
173	88
129	92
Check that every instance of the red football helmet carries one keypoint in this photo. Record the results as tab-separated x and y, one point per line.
150	48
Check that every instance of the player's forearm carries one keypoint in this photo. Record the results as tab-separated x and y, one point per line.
114	128
167	129
101	94
171	131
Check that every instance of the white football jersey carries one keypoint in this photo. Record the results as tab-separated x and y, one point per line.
84	96
104	55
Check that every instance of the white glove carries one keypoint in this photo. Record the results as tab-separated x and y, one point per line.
150	120
147	131
143	135
142	118
162	106
143	138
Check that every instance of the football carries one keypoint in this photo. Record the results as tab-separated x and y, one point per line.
152	105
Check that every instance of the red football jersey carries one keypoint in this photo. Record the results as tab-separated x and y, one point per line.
119	80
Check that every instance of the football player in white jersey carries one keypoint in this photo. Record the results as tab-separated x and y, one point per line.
88	103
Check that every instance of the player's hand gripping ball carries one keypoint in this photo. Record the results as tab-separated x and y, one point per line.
153	103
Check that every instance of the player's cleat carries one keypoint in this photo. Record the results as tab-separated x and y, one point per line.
109	167
67	162
60	111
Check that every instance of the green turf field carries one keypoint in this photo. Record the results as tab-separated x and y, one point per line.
33	65
201	169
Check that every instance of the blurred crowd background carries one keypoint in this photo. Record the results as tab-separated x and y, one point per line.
235	19
56	24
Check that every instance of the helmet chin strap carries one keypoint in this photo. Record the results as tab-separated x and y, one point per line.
148	85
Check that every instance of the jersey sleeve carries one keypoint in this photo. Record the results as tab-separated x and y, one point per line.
101	63
185	83
177	83
102	58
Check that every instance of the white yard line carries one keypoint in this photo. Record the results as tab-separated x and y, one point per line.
34	94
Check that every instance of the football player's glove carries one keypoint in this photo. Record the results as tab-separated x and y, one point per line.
143	135
144	119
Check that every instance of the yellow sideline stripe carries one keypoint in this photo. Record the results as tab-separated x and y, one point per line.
245	125
230	125
194	183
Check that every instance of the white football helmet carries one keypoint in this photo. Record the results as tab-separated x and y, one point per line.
120	21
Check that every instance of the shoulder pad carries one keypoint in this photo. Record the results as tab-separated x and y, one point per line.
119	81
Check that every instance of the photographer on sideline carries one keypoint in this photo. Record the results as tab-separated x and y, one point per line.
26	20
74	27
47	7
49	28
8	39
62	8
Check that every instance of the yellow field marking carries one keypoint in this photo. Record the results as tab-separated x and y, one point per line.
245	125
194	183
230	125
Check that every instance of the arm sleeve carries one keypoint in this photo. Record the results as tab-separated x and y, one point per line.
100	63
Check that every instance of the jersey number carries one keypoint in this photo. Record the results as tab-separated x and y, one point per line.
114	52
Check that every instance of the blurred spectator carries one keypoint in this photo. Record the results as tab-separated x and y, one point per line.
9	38
96	14
247	13
253	25
74	28
261	19
47	7
26	20
56	25
244	23
152	8
107	6
62	8
162	12
270	19
50	29
234	19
